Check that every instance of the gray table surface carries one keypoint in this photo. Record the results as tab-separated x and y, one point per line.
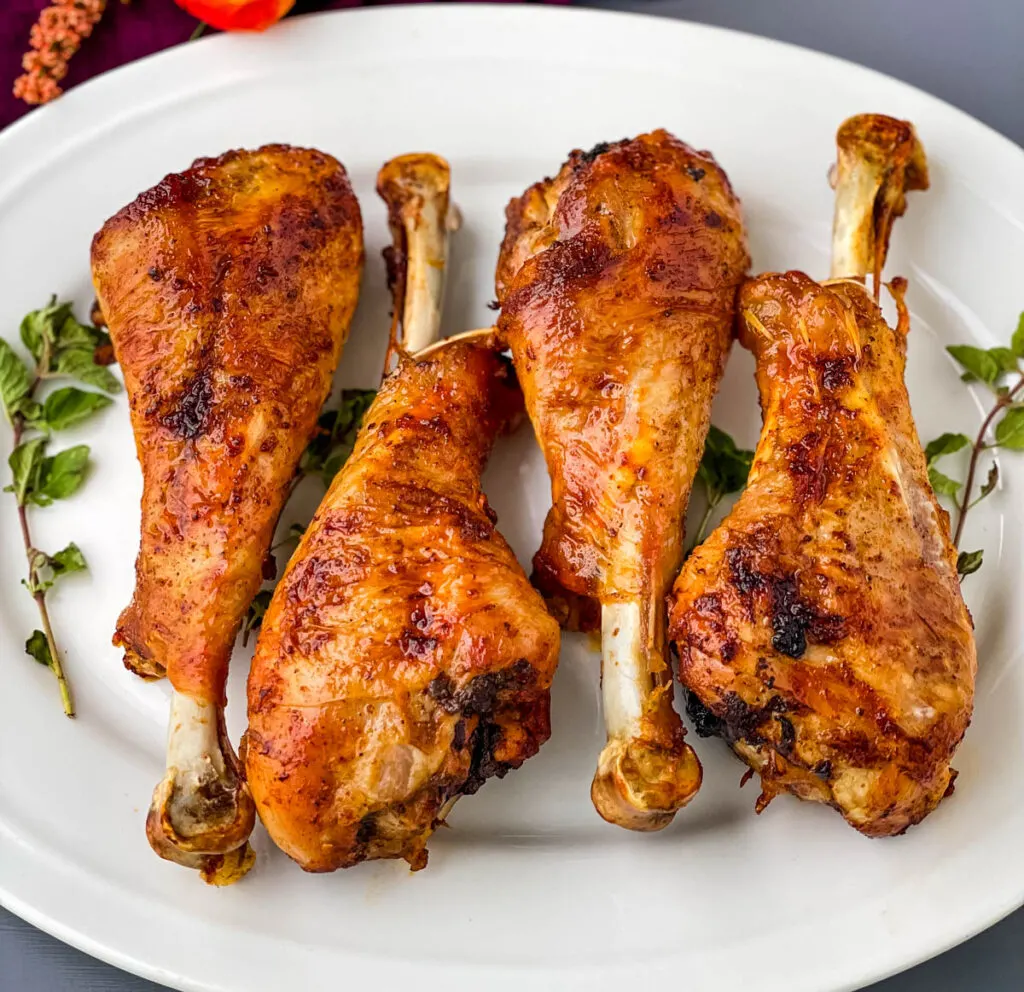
966	51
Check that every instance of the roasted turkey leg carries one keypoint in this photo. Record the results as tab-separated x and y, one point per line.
617	282
820	629
404	658
228	291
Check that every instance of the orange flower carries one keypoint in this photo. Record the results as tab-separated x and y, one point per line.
238	15
54	38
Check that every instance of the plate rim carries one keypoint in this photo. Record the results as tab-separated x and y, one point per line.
61	117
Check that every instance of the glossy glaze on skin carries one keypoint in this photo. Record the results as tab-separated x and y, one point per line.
617	282
228	291
821	629
405	657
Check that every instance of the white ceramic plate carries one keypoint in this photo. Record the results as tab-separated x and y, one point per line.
530	889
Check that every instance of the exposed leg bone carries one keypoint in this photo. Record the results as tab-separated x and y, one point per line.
416	188
878	160
202	813
646	771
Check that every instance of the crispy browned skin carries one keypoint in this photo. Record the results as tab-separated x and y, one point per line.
228	291
617	281
820	628
405	657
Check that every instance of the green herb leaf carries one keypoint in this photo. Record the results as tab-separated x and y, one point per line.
1010	430
978	362
37	647
31	412
724	467
26	462
39	328
1005	359
69	406
72	333
990	482
44	569
80	364
67	560
15	379
64	346
61	475
968	562
943	484
254	616
1017	341
336	438
945	444
334	464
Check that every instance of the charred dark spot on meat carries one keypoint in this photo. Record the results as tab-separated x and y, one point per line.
696	173
787	736
713	219
704	721
741	571
793	620
189	414
734	720
483	765
599	149
366	830
789	620
480	695
836	373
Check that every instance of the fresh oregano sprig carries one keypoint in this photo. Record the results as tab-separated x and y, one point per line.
336	435
323	458
61	347
723	470
999	370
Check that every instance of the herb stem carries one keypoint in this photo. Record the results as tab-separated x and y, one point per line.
702	527
18	424
979	446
